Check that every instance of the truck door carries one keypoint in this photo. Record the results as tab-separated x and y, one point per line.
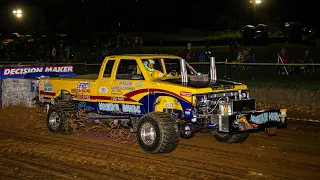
128	92
105	81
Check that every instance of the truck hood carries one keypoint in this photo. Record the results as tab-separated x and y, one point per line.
217	85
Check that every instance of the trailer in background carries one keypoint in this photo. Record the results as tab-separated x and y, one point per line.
19	83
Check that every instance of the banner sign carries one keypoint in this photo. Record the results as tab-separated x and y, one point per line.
27	71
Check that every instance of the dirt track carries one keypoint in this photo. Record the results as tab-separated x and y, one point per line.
31	152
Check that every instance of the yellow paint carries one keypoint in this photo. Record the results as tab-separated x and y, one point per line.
283	113
111	87
167	102
244	119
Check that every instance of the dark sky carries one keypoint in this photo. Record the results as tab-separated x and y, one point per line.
148	15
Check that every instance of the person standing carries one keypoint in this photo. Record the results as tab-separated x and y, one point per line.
53	54
285	60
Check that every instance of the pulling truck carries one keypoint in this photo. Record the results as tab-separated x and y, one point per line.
158	110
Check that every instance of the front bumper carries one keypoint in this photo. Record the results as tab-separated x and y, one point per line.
251	121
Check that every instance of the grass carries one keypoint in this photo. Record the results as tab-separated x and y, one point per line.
263	53
195	35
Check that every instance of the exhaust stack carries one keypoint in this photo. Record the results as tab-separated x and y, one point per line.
183	69
213	69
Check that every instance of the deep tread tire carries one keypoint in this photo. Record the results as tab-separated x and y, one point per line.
65	111
230	138
167	132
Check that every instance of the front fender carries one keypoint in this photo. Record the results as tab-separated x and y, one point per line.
167	102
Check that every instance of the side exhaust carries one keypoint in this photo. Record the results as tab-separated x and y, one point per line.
184	73
213	69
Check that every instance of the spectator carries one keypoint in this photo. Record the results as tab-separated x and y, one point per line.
285	59
231	46
141	41
284	56
235	45
207	45
307	56
2	52
308	59
53	54
189	56
202	57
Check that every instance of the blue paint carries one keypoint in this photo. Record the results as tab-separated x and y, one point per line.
47	89
265	117
109	107
147	102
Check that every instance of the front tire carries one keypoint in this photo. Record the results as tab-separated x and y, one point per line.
59	115
230	138
158	132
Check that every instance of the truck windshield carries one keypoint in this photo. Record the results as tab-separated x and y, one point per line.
171	65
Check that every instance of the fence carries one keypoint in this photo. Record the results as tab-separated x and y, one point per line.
243	72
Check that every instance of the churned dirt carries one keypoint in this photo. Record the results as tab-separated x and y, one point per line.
29	151
295	111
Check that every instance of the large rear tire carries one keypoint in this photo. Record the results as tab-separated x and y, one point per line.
59	115
158	132
230	138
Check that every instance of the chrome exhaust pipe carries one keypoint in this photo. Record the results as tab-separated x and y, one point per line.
184	73
213	69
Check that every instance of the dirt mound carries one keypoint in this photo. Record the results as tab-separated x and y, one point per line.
22	119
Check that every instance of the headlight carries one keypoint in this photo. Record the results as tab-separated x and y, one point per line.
201	100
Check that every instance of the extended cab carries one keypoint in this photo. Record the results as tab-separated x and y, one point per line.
162	109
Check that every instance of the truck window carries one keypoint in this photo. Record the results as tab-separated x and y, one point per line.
108	69
128	69
173	65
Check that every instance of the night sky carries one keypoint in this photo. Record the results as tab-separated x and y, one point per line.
147	15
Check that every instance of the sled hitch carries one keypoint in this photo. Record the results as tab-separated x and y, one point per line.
251	121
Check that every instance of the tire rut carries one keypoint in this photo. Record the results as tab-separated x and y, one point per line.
206	161
116	151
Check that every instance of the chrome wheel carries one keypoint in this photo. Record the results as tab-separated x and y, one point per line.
54	120
148	134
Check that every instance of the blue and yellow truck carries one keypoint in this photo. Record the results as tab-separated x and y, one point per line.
159	97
